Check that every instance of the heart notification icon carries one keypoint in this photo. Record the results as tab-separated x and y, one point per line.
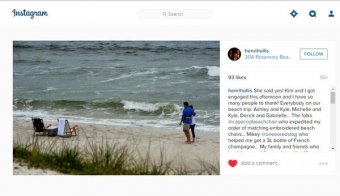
232	163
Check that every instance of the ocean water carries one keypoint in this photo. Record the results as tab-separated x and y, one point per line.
141	83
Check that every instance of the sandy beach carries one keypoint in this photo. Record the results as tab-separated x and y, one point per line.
20	168
140	140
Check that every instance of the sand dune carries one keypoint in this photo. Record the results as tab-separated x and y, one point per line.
139	139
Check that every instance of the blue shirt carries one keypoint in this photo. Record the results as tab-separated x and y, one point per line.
187	112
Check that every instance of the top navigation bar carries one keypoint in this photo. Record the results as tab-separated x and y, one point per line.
169	13
176	0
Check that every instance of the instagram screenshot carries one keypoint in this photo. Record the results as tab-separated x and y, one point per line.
168	97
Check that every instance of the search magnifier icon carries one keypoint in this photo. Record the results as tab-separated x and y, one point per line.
312	13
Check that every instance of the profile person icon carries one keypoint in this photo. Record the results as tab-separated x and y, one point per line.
331	14
234	54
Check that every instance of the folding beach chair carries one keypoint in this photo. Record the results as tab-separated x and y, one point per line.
64	128
39	127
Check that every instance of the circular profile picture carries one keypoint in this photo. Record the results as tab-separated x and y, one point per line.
234	54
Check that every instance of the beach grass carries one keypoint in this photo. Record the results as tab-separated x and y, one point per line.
100	159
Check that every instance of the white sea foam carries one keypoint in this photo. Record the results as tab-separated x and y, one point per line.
132	105
147	107
50	89
133	74
30	114
213	70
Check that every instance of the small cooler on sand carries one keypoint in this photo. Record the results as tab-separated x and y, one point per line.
53	131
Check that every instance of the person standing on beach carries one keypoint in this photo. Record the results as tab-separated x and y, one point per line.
187	115
193	124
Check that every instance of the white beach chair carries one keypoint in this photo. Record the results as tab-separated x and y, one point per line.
64	128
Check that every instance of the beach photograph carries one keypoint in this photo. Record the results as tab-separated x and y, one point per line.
116	108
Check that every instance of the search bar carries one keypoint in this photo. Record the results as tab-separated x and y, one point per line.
175	14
